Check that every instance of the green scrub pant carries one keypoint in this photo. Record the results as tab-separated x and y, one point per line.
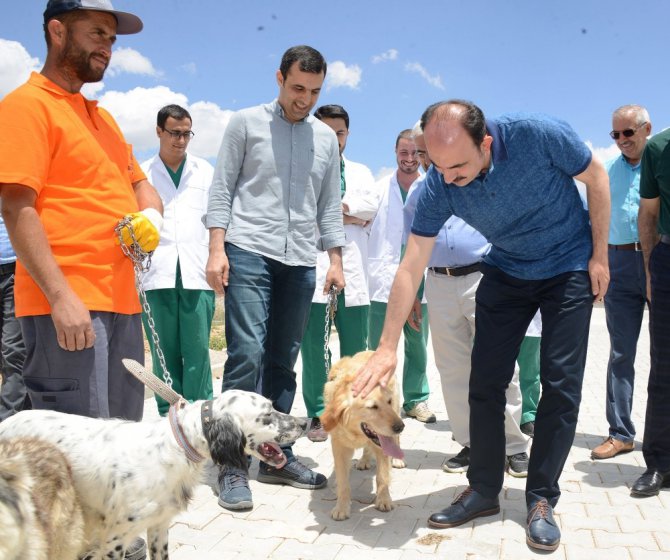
183	319
529	377
415	387
352	328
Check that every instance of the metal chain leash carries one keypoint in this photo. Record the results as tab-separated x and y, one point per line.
141	263
331	309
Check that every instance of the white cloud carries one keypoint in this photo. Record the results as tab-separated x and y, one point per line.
391	54
604	154
341	75
16	64
384	173
92	89
434	81
135	112
130	61
209	123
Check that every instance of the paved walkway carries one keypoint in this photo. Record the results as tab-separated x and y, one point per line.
597	516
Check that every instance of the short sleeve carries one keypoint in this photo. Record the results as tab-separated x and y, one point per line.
432	208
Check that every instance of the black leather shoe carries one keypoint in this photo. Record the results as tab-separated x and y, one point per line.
467	506
542	533
650	483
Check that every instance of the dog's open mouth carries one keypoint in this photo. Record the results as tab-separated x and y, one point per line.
388	445
272	454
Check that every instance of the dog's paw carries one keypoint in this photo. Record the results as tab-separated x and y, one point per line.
384	503
398	463
340	513
363	464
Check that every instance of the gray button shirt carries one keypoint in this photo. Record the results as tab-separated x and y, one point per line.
273	182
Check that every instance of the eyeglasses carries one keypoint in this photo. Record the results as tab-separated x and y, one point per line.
176	135
627	133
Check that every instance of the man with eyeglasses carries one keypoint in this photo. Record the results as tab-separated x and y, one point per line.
277	175
181	301
654	227
627	294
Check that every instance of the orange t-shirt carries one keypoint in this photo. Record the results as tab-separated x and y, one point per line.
73	155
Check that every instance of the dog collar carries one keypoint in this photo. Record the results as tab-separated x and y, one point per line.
180	436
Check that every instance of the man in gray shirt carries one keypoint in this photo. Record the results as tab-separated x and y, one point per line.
277	173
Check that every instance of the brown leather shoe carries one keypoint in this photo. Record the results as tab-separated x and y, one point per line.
611	447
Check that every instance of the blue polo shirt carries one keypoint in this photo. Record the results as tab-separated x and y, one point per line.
527	205
625	194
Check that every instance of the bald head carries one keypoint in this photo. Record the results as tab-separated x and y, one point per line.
446	114
457	141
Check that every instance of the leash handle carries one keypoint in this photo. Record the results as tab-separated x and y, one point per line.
150	380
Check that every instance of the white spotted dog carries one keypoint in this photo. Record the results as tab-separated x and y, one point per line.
136	476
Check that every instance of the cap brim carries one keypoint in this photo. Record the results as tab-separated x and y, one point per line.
128	24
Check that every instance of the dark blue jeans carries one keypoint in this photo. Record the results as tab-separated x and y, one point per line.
656	443
267	308
505	307
13	394
624	308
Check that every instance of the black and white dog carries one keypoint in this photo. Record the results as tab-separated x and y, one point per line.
136	476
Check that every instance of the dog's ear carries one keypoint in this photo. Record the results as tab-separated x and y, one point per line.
335	408
226	442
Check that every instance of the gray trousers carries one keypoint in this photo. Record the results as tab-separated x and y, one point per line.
91	382
13	390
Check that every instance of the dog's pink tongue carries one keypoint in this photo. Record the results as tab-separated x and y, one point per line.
390	447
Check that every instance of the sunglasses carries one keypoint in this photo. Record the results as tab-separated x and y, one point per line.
627	133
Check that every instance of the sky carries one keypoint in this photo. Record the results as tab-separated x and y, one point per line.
387	61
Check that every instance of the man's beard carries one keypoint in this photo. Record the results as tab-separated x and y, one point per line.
78	62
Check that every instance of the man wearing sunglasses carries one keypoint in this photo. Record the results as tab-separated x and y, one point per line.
181	301
626	298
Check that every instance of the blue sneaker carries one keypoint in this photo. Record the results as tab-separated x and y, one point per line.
293	473
234	493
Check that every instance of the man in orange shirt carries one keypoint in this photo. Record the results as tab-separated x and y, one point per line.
67	177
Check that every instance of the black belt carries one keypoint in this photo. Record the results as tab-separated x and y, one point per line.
665	239
8	268
627	247
458	271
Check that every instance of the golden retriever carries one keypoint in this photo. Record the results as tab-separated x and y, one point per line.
40	515
372	423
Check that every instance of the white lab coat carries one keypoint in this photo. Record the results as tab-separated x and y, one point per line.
363	200
183	235
385	239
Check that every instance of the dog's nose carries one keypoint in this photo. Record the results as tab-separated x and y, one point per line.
398	427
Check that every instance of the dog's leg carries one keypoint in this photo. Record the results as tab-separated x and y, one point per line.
157	542
342	456
365	462
383	500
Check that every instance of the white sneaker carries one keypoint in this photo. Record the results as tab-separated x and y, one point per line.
421	412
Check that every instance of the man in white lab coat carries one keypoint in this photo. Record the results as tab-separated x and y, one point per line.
359	204
384	251
181	301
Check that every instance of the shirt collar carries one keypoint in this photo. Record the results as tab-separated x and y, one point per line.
276	108
628	164
498	148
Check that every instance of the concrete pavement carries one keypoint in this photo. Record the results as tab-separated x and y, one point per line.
597	516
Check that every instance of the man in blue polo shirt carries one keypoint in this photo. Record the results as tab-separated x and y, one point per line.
512	180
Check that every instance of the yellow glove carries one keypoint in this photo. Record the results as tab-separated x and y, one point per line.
146	227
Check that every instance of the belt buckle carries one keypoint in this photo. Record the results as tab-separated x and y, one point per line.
448	271
638	246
